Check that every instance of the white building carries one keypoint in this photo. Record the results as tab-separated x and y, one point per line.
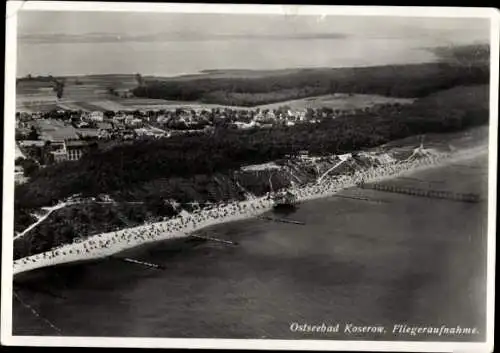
136	122
241	125
162	119
128	119
270	115
96	116
19	177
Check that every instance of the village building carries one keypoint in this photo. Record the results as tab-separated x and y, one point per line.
18	153
104	125
88	133
59	156
31	143
82	124
54	151
59	134
75	149
162	119
128	119
104	129
70	150
119	118
32	148
19	177
244	126
96	116
136	122
270	115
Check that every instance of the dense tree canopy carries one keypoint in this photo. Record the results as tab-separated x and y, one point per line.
410	81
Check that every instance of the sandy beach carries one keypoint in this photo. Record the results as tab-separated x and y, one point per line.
106	244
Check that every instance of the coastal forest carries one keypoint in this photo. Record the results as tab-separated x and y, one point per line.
462	65
405	81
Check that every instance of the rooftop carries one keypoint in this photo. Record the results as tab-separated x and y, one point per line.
55	130
88	132
104	125
76	143
19	153
32	143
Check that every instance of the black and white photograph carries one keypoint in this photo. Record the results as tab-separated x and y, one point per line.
249	176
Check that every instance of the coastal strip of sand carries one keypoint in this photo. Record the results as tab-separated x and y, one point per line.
106	244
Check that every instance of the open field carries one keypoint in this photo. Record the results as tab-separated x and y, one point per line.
90	93
87	93
338	101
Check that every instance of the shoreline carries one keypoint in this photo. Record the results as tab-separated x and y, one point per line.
106	244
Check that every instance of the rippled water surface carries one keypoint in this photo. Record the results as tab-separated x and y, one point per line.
401	259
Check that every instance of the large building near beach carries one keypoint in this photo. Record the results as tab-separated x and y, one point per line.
76	149
68	150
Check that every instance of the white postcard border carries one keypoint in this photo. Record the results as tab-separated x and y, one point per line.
8	176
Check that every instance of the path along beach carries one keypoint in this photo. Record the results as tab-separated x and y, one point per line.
106	244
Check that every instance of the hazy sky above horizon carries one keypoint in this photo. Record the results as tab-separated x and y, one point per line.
125	25
72	43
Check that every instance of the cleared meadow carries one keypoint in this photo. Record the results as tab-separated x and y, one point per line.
338	101
92	93
87	93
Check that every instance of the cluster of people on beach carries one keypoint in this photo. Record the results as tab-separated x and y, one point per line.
185	223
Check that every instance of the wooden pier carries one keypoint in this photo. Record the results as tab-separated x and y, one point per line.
429	193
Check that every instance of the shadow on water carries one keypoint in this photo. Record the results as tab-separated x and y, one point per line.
284	211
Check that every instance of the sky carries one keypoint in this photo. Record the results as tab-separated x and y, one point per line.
119	26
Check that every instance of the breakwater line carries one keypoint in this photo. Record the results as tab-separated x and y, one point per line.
37	314
143	263
227	242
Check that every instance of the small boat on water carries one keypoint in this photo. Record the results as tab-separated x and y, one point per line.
284	200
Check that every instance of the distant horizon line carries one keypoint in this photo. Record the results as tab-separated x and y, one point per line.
96	37
102	37
215	71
